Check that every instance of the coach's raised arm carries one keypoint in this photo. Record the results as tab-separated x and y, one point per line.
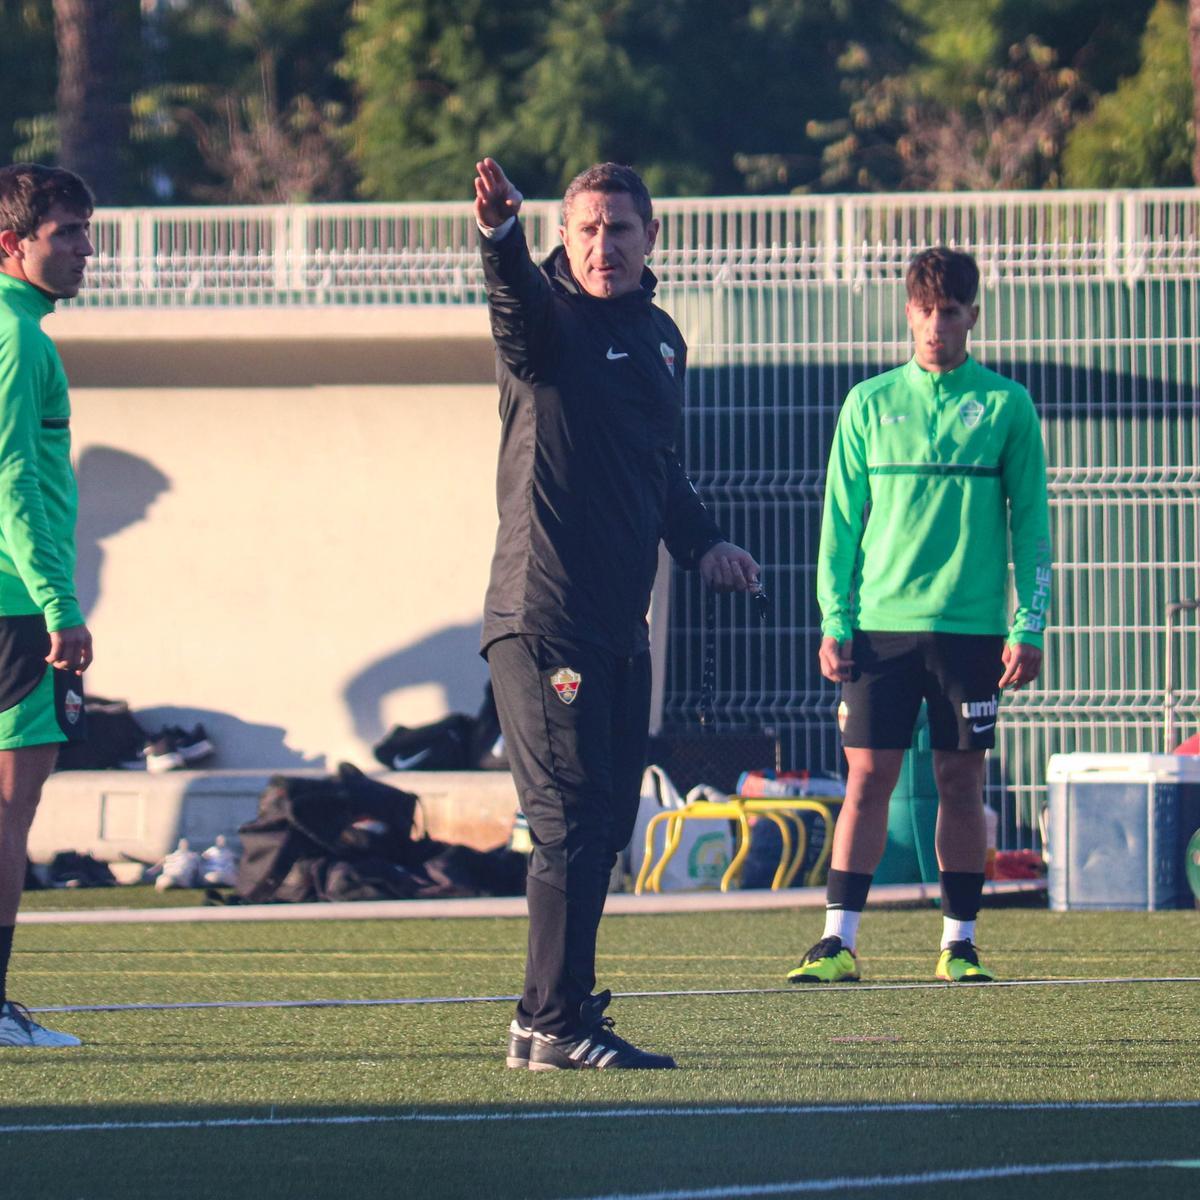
591	374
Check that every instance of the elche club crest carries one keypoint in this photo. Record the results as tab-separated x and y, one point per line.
565	683
668	353
970	411
72	706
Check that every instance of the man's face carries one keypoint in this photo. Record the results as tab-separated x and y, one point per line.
55	257
607	243
940	330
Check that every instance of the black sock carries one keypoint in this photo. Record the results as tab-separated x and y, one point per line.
961	894
6	940
847	889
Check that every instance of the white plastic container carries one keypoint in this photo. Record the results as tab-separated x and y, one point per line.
1119	828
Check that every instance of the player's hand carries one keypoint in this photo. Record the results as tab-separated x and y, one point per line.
495	197
728	568
1022	663
836	660
70	649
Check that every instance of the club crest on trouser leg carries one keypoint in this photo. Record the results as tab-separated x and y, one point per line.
668	353
566	684
843	713
73	706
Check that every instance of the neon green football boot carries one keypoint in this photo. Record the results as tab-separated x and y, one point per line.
827	962
959	963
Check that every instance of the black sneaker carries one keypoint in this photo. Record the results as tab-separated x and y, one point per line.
518	1045
596	1048
194	746
161	752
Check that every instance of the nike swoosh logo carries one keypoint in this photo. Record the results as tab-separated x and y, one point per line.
613	355
402	764
983	728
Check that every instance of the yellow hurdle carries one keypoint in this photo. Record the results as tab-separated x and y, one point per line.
736	809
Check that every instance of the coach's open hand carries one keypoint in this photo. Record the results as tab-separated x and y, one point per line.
728	568
495	197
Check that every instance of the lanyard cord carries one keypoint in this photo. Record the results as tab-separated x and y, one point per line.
705	710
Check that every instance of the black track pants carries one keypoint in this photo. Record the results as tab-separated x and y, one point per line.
575	721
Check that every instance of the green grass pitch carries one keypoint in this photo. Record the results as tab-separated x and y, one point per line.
791	1092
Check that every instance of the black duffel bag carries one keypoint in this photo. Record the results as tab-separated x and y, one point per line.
302	822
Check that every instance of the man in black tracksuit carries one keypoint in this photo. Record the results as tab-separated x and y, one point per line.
591	388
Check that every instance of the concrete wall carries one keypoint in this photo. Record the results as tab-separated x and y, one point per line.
300	563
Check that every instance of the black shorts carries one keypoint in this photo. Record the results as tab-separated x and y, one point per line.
954	673
38	705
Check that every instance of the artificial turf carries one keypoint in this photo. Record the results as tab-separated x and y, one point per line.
1103	1042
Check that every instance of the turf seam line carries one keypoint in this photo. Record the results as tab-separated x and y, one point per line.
865	1182
760	1110
807	990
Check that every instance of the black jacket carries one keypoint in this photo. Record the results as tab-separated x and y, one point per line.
589	480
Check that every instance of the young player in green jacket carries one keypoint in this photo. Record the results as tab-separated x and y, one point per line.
44	644
936	469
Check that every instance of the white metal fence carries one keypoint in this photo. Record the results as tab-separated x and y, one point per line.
1090	299
425	253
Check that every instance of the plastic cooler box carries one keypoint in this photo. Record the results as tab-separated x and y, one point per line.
1119	829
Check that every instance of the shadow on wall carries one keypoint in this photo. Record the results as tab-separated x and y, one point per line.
449	658
239	744
116	490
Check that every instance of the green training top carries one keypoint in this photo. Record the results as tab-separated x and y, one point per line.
38	497
928	475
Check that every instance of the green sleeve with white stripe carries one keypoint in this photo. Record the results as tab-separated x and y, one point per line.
1023	470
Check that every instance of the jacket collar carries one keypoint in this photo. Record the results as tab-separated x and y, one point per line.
960	377
559	270
32	301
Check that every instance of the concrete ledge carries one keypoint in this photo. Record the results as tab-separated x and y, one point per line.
117	815
620	904
288	324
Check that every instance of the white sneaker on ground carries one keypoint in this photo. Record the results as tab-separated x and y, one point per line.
18	1028
180	869
219	868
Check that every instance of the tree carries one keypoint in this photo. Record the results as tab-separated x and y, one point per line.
702	95
1194	51
1142	134
435	83
27	81
93	92
978	96
242	101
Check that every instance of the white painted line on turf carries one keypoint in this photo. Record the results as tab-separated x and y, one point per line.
865	1182
607	1114
420	1001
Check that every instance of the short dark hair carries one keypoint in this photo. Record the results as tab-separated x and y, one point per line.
28	191
937	275
610	177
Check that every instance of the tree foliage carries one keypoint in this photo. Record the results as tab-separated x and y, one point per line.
278	100
1143	133
696	92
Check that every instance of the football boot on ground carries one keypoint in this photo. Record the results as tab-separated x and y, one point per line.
596	1047
519	1039
827	962
18	1028
959	963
